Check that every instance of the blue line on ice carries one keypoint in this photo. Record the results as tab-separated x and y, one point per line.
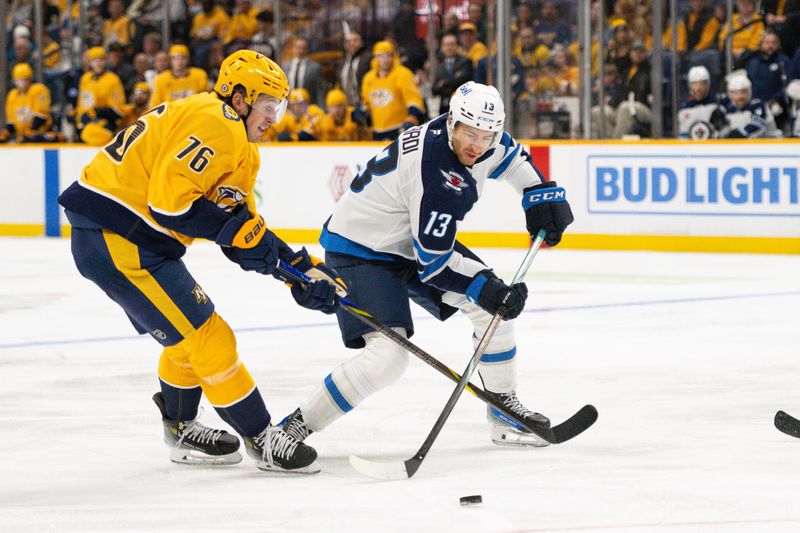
331	323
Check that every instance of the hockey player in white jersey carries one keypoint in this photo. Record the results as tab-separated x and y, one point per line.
701	116
746	117
793	93
392	237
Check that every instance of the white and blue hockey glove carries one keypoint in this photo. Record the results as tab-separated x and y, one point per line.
546	207
490	293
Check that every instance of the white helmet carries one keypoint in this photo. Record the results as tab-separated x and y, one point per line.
699	73
479	106
739	83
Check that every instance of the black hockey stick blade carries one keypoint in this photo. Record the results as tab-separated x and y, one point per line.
394	470
788	424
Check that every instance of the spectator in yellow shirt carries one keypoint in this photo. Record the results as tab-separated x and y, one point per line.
180	80
470	45
118	28
697	30
208	27
747	29
138	105
242	24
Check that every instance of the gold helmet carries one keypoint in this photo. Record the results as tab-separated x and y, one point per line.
256	73
22	71
335	97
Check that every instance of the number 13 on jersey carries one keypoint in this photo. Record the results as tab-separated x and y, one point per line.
437	224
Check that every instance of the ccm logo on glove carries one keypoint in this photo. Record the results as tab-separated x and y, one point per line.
557	194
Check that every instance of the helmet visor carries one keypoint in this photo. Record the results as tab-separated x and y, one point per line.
271	107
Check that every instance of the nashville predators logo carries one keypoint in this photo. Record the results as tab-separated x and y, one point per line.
228	197
229	113
199	294
380	97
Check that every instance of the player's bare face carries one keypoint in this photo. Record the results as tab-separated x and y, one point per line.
23	84
385	62
98	65
470	143
179	63
740	97
699	89
265	111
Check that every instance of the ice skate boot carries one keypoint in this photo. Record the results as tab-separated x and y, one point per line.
192	443
274	450
295	426
506	432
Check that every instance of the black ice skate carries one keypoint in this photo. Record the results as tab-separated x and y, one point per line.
295	426
506	432
274	450
192	443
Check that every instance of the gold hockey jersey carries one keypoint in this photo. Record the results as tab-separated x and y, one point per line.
348	130
169	88
22	109
103	91
163	162
391	99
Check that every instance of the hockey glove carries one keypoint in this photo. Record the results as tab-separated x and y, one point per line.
316	269
246	241
318	296
737	133
718	119
546	207
490	293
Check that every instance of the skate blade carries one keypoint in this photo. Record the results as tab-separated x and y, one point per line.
503	437
311	469
194	457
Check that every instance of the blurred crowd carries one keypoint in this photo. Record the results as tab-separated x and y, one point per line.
366	69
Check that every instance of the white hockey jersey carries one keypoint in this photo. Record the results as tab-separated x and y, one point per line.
409	199
752	121
697	120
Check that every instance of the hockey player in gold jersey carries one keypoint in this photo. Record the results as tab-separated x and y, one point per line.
186	170
100	100
180	80
391	95
337	124
27	109
139	103
300	123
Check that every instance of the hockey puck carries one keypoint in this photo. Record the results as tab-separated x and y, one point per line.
471	500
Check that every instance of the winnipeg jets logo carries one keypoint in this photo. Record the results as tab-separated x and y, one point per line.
454	181
228	197
700	130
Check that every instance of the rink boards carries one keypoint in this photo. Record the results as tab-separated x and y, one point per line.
658	195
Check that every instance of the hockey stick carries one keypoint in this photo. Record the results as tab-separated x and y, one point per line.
407	468
572	427
788	424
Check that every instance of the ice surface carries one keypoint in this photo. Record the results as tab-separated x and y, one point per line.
686	356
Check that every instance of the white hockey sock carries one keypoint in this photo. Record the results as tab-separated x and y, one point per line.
498	364
379	364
